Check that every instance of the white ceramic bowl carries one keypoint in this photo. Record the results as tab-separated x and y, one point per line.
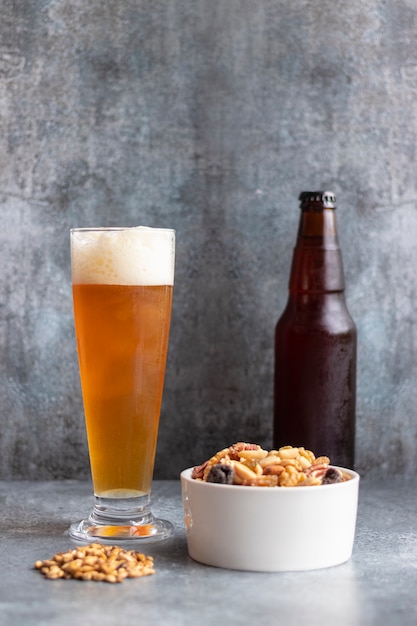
270	529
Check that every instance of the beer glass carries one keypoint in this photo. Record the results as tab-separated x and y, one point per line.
122	280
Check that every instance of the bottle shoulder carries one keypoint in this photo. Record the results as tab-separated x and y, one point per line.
326	312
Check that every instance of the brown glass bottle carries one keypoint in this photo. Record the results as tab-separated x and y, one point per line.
315	342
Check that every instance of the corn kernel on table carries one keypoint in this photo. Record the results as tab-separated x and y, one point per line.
376	586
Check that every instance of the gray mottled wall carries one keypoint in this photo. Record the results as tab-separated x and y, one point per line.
209	116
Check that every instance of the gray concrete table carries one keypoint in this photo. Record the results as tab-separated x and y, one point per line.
378	585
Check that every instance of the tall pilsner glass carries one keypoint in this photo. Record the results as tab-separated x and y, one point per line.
122	290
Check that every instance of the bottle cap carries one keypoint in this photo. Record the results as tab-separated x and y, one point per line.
317	200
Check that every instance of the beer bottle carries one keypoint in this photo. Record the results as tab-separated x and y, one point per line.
315	342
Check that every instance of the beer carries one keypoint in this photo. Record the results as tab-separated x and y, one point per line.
315	343
122	293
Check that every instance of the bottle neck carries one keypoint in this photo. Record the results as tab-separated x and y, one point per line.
317	265
317	229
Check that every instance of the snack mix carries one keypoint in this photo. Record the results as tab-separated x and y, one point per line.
250	465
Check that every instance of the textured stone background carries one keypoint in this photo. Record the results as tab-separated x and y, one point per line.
209	116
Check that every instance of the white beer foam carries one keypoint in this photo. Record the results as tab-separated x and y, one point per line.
126	256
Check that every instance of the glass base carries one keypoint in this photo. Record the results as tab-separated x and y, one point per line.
120	520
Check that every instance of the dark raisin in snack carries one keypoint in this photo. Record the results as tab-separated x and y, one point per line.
221	473
332	476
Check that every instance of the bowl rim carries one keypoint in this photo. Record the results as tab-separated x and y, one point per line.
354	478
